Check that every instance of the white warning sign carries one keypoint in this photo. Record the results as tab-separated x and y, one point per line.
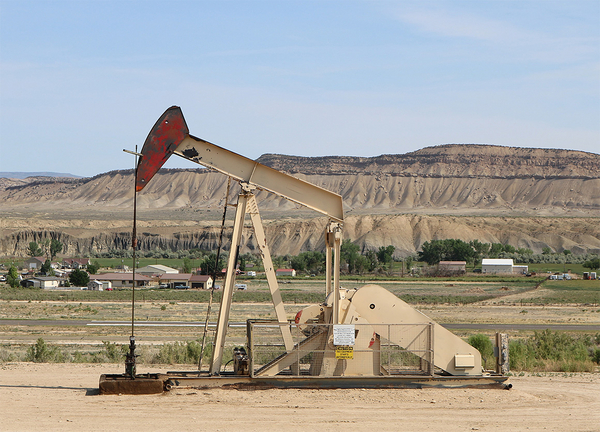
343	334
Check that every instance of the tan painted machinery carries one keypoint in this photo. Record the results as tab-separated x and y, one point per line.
363	337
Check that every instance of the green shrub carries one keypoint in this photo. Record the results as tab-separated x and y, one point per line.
43	353
178	353
553	351
6	355
114	353
485	346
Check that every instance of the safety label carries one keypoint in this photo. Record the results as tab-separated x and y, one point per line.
344	352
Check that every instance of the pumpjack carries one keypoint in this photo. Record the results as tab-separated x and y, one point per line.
364	337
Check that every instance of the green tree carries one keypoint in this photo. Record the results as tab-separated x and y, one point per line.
55	248
45	245
349	254
312	262
34	249
524	251
299	263
432	253
546	251
567	252
12	278
209	264
47	268
495	250
446	250
409	263
481	249
508	249
79	278
385	254
593	264
361	264
92	268
187	265
372	260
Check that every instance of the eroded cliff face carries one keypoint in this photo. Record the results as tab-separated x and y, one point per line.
525	197
406	232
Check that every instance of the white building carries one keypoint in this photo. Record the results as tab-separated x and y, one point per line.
43	282
156	270
96	285
520	269
121	280
285	272
493	266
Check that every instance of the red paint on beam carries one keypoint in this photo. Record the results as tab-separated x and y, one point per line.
163	139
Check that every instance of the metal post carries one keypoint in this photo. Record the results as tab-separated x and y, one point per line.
431	353
501	353
336	275
328	252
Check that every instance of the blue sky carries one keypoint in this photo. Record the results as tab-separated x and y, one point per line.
81	80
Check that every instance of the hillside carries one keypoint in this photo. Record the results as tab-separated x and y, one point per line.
551	198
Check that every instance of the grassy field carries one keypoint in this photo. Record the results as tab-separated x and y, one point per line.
311	290
444	300
558	268
585	292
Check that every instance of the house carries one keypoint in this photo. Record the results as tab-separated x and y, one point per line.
452	267
34	263
175	280
60	273
520	269
201	281
121	280
494	266
43	282
75	263
285	272
156	270
96	285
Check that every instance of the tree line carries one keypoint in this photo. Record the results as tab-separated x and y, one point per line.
474	251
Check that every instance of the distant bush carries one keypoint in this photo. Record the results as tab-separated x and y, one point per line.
486	348
43	353
553	351
178	353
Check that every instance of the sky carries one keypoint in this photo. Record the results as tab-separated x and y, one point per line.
82	80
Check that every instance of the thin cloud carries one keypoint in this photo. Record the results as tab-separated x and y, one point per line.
453	24
547	43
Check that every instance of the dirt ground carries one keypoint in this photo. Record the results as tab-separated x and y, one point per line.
63	397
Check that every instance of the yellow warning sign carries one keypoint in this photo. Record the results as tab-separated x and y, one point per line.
344	352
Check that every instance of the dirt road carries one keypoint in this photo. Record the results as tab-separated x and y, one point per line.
63	397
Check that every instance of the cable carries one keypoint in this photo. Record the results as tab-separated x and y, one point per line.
214	275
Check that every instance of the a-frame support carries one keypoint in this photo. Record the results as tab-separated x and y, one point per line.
247	205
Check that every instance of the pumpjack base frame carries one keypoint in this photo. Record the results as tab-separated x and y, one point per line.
121	384
114	384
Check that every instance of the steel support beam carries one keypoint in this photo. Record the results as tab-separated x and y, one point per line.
261	240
